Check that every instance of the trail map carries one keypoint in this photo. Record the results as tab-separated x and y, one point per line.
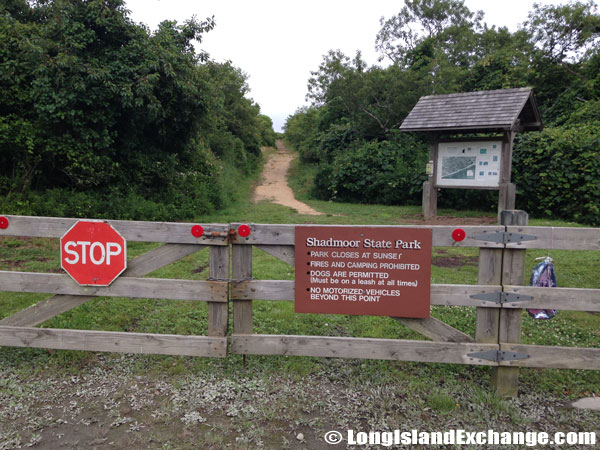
458	168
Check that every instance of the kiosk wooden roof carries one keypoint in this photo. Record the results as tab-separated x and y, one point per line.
483	111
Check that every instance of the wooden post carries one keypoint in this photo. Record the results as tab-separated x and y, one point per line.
429	189
218	313
507	193
506	379
242	270
429	200
506	197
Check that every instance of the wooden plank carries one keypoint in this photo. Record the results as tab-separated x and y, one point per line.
168	232
435	329
363	348
483	188
218	313
489	272
159	257
267	234
476	114
506	379
285	253
460	295
569	299
242	305
261	289
105	341
553	357
454	139
140	266
122	287
445	127
558	238
441	294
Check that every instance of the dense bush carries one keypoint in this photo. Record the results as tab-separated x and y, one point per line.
557	172
387	172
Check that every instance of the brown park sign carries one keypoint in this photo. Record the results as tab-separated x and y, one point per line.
378	271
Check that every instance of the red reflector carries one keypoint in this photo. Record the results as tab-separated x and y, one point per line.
197	231
459	235
244	230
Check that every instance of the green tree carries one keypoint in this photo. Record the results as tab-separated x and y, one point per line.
365	97
96	104
434	39
565	40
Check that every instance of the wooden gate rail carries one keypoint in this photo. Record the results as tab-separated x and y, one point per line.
19	329
166	232
570	299
551	357
111	341
164	289
557	238
284	235
363	348
441	294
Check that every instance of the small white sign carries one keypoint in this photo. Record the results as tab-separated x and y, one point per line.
467	164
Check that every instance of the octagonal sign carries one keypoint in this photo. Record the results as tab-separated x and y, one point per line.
93	253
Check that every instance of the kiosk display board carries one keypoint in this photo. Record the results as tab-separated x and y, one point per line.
469	164
380	271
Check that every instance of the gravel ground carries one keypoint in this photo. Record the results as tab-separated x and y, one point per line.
111	403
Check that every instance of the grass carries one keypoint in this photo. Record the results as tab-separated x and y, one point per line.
437	393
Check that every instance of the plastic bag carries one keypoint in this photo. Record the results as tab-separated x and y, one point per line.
543	275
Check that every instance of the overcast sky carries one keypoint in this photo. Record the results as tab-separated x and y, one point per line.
277	43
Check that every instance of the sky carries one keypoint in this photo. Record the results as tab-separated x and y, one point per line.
277	43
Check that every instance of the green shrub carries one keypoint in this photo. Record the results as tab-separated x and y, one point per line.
387	172
334	141
557	173
322	186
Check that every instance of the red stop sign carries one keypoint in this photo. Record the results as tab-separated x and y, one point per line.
93	253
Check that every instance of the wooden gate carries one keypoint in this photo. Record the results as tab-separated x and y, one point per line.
499	297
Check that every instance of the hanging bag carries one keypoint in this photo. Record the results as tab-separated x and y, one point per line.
543	275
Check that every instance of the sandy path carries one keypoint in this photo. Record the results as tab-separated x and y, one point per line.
274	187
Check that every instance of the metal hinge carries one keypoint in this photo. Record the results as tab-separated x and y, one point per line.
498	356
504	237
501	297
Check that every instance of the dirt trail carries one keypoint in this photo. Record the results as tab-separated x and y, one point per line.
274	187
